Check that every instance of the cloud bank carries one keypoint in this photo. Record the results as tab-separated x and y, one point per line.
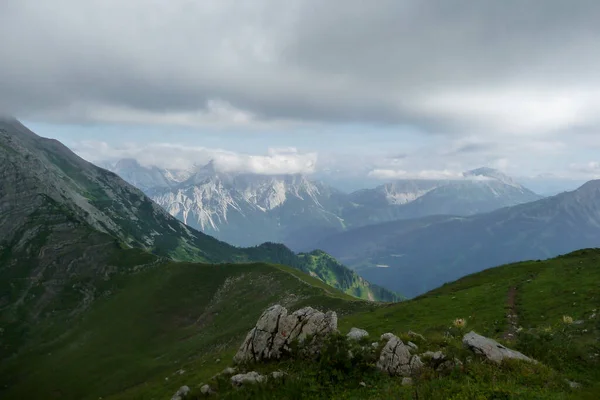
179	157
451	66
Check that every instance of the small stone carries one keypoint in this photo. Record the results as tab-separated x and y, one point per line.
387	336
181	393
218	360
251	377
363	384
205	389
375	345
229	371
435	356
416	335
357	334
277	374
573	385
407	381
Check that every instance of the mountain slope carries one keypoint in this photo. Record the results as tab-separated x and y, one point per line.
418	255
181	323
37	173
482	190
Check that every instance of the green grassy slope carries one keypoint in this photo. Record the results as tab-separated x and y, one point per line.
155	322
545	292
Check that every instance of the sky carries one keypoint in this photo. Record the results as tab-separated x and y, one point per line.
346	89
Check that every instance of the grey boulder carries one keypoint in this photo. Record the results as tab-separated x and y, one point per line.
396	359
181	393
249	378
357	334
276	330
491	349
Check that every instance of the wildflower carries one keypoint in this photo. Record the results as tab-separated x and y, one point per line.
567	319
460	322
520	329
548	329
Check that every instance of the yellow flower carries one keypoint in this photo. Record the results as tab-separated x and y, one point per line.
567	319
548	329
460	322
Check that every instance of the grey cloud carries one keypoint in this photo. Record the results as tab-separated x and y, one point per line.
474	148
440	65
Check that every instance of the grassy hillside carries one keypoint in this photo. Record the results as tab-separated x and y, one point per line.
540	294
157	325
153	323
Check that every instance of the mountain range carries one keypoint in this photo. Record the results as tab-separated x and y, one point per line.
247	209
420	254
67	227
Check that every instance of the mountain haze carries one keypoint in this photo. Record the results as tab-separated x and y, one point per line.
420	254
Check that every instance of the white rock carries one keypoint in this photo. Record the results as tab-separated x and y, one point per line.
416	335
229	371
387	336
407	381
357	334
181	393
395	359
276	330
277	374
206	389
491	349
249	378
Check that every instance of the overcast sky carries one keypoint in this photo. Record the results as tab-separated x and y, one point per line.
384	89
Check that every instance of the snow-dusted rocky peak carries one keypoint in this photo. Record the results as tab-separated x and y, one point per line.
246	209
406	191
402	192
491	174
269	192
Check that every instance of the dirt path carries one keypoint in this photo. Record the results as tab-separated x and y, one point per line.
511	315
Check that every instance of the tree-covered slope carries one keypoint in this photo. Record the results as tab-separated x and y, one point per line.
34	170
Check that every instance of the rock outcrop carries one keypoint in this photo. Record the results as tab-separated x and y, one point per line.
396	359
491	349
276	330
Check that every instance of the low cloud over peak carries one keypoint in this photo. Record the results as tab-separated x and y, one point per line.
179	157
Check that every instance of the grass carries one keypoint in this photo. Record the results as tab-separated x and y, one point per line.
151	330
158	321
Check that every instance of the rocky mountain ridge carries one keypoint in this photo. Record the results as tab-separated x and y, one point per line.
247	209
